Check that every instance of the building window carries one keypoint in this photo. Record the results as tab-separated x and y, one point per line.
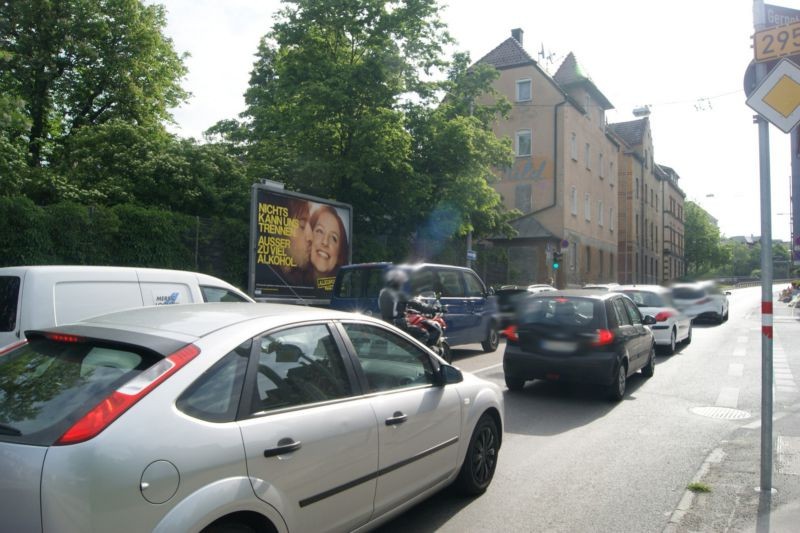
611	173
573	257
523	143
588	259
587	207
600	214
524	91
587	155
586	104
523	197
611	219
600	166
573	147
637	188
600	258
573	201
611	265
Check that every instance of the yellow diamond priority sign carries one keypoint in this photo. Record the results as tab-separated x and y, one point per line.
777	99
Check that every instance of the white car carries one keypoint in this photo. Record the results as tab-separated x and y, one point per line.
701	301
672	326
240	417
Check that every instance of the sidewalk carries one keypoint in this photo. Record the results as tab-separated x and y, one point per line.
733	471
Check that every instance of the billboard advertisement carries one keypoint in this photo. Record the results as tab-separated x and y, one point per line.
298	244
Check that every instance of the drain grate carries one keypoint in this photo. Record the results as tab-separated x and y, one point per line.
724	413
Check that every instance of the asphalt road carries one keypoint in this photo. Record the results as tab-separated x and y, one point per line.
573	461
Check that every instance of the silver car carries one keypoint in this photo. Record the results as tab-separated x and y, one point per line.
234	417
672	326
701	301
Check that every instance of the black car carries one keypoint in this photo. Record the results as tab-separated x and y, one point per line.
579	336
509	295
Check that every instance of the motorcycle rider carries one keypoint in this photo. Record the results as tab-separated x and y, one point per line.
393	302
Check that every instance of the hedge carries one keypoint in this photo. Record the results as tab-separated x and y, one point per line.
124	235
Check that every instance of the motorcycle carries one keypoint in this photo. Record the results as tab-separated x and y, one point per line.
417	319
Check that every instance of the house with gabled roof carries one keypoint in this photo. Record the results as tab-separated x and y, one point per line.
564	175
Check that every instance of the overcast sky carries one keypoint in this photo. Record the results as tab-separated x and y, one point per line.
684	58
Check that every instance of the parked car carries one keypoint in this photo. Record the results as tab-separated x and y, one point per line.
234	417
701	301
579	336
672	326
472	313
509	295
35	297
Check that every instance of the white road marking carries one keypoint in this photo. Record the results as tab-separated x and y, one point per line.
739	351
492	367
736	369
728	397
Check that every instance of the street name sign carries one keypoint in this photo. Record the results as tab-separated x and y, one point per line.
777	98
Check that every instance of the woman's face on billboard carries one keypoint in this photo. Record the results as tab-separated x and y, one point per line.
325	243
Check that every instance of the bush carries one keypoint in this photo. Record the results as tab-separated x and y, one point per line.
24	237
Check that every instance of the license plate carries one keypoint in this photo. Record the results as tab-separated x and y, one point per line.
558	346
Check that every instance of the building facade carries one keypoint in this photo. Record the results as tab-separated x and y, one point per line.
674	264
564	176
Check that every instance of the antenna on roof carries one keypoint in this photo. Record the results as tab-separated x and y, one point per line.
641	111
546	56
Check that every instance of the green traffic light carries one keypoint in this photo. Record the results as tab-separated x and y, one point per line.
555	266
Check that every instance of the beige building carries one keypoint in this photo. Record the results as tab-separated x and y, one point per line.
674	264
651	235
564	178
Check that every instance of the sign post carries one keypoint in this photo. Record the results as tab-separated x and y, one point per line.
759	20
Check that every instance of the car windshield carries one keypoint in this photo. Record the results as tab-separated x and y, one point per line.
46	385
561	311
649	299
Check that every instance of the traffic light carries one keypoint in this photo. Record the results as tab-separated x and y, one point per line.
556	260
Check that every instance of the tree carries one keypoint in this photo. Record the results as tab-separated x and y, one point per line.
78	63
704	250
117	163
340	105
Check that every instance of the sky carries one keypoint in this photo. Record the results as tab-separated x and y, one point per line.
685	59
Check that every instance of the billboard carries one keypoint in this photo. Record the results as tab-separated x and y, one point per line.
297	244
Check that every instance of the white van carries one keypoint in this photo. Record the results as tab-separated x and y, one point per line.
34	297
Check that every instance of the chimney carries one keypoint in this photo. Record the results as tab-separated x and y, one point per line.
516	33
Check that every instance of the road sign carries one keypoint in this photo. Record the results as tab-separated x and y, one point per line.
777	42
472	255
777	99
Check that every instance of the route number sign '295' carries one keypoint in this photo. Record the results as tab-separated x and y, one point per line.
777	42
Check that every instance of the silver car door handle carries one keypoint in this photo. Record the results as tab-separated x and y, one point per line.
396	418
285	445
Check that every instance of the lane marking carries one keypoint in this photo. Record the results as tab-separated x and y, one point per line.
740	351
728	397
736	369
492	367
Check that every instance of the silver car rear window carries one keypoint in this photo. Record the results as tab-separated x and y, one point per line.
688	293
46	386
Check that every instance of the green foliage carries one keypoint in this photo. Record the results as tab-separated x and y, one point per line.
125	235
79	63
704	250
24	236
340	105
